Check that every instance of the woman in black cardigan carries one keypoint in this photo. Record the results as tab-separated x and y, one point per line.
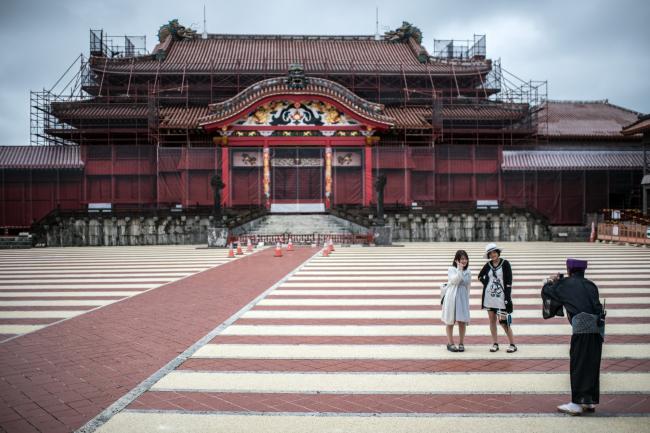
496	277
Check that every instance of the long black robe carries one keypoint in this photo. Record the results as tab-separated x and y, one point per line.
579	295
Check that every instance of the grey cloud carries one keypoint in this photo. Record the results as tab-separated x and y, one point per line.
586	49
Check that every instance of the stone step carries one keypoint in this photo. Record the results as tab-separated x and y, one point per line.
300	224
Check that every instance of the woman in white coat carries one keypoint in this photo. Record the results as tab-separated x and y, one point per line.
455	303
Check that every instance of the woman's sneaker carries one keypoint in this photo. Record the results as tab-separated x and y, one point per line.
571	409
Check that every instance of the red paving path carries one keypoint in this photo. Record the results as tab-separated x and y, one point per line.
379	403
58	378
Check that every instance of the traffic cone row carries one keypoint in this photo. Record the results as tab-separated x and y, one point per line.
239	251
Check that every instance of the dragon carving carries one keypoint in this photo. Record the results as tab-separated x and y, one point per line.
177	31
403	33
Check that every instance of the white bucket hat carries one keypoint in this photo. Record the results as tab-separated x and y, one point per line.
491	247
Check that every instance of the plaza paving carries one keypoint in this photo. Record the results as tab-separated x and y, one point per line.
347	343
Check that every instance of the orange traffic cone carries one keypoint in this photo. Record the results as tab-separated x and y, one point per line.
326	250
290	245
331	245
278	250
239	250
592	237
249	246
231	253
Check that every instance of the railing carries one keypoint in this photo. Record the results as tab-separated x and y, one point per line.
624	232
305	239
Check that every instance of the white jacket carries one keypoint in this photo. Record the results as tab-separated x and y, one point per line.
457	280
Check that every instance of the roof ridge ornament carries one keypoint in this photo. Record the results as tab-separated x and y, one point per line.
296	78
403	33
176	30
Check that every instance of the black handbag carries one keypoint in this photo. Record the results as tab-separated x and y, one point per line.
551	308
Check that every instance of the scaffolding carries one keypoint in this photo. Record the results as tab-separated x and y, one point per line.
103	45
110	102
453	49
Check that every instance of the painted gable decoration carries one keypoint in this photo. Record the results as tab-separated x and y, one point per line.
303	113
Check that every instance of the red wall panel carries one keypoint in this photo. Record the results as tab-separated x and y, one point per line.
199	190
423	183
246	186
461	187
548	196
572	193
170	188
487	187
596	191
347	186
99	189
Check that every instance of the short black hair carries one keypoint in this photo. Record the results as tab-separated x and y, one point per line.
460	254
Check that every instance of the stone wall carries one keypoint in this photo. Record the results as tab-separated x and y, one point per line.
484	227
112	231
181	229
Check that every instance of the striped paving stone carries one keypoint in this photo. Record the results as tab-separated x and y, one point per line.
358	334
84	279
60	377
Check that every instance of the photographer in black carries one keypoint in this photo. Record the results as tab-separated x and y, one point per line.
579	297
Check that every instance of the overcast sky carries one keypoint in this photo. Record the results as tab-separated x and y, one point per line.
587	50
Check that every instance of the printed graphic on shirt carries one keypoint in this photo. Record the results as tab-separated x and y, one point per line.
495	289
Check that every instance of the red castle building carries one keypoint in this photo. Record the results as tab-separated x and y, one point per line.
306	123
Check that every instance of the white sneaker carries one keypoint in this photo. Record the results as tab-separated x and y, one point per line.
570	408
589	407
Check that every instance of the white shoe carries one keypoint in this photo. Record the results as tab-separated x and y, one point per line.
570	408
589	407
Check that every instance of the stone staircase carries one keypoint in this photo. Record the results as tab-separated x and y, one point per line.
300	224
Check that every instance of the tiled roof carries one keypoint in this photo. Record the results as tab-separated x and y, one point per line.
94	110
277	86
182	117
641	125
550	160
416	117
274	54
40	157
410	117
584	119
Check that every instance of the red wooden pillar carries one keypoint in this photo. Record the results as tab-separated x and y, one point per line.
328	176
408	187
266	175
367	175
225	176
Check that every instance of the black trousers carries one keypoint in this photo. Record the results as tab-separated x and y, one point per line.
586	351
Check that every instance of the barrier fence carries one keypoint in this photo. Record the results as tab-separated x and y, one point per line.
624	232
306	239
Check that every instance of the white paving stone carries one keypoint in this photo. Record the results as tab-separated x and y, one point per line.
394	383
406	351
558	328
150	422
